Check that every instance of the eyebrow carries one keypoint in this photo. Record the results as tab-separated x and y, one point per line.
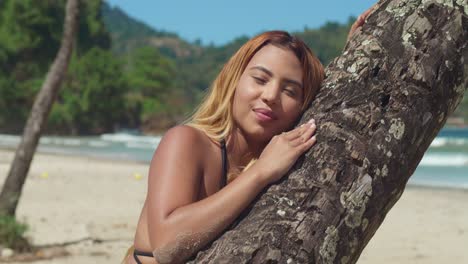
268	72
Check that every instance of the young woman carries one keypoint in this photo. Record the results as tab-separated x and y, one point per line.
206	172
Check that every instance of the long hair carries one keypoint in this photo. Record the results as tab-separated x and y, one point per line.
214	114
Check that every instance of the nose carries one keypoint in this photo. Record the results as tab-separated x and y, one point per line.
271	93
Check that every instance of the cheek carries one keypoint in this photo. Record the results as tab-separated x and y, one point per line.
292	113
244	94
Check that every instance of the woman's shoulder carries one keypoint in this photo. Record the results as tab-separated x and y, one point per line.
185	133
187	137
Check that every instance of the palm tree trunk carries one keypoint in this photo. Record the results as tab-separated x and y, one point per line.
13	185
381	105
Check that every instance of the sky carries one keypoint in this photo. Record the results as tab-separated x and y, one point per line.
220	21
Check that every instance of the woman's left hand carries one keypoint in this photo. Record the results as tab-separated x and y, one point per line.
360	21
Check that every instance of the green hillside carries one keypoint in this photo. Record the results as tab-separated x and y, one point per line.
123	73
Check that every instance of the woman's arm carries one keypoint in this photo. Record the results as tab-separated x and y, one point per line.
179	226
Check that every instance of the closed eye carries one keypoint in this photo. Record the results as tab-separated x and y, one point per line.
290	92
259	80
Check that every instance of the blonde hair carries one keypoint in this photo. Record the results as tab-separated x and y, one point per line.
214	115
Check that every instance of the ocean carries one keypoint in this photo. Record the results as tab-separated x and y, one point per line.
445	163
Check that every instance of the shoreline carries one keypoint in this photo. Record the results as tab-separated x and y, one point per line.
79	156
142	162
435	188
97	202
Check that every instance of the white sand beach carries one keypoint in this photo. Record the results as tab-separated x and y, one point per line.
93	205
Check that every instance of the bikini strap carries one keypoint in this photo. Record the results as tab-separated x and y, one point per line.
224	158
142	253
137	253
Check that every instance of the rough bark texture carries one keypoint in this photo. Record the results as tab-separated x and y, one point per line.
383	102
11	191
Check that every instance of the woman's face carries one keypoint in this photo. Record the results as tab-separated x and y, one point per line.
269	95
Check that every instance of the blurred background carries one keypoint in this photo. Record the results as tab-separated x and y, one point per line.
141	67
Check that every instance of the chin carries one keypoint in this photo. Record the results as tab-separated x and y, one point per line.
255	130
260	133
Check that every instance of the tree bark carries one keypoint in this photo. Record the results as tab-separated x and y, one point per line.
381	105
12	188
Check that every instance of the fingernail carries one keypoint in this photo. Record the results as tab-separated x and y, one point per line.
311	121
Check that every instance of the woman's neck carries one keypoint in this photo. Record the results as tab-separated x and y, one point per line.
242	149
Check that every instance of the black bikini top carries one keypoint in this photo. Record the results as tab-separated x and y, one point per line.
137	252
224	158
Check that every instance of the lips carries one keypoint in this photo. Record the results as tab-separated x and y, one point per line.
265	112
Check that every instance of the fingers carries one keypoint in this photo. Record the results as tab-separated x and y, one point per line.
298	131
353	28
305	136
360	20
366	13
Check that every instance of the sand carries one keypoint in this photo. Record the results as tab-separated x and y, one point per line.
93	206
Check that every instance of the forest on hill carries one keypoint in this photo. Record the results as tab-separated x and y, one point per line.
123	73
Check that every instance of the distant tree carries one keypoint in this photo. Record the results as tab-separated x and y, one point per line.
13	185
92	30
151	83
92	98
150	73
30	33
29	39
